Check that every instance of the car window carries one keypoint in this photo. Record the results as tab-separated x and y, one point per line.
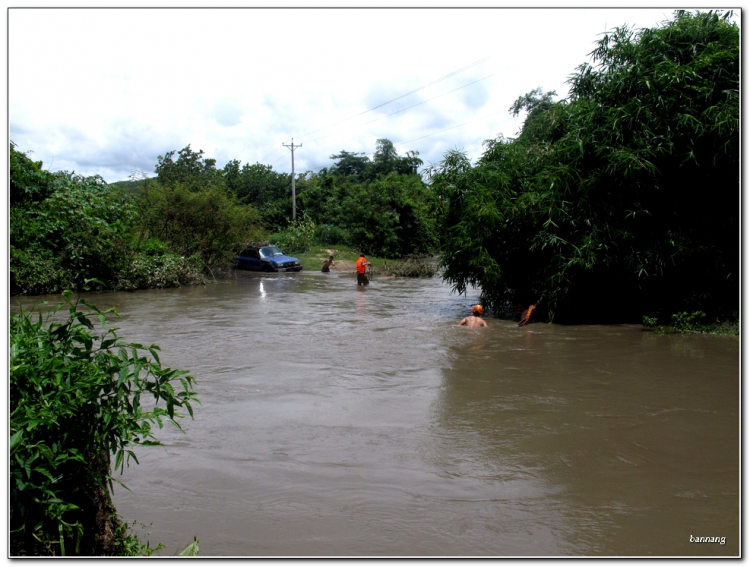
268	251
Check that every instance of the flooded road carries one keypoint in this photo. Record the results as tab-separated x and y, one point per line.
346	421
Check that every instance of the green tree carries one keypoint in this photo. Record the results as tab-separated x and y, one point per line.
386	159
392	215
269	191
208	223
350	163
29	183
190	169
64	228
619	201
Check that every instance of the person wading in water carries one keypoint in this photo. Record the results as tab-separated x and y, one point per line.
475	319
327	263
362	264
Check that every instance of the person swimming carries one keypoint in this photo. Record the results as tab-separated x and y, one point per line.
474	320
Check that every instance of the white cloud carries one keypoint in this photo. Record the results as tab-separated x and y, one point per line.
101	91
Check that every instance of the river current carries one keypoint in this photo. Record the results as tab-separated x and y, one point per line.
339	420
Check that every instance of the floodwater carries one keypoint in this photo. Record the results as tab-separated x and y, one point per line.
346	421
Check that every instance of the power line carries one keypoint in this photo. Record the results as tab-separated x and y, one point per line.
408	107
439	131
268	154
403	95
428	100
451	74
277	160
451	128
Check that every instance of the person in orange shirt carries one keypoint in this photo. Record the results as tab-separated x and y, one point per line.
362	264
526	316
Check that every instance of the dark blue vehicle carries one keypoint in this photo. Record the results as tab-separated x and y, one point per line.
266	259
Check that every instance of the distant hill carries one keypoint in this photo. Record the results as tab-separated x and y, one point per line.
130	184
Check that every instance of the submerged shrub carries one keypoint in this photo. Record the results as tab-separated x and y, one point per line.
77	396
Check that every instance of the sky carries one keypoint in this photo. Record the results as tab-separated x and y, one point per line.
106	91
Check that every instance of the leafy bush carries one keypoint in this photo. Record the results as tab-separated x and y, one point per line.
77	396
685	321
75	228
695	322
29	183
332	235
298	237
204	221
36	271
164	271
153	247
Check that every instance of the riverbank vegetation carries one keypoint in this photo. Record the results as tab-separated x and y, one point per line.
79	397
185	226
695	322
618	201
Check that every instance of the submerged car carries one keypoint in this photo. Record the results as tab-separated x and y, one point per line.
266	259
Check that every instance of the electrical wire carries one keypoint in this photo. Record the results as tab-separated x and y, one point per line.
435	133
268	154
278	160
426	101
451	128
407	108
451	74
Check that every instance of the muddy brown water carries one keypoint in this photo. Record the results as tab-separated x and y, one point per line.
346	421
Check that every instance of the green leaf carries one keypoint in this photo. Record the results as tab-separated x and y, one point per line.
15	440
191	550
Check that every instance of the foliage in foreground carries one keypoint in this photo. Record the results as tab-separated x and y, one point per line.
619	201
77	396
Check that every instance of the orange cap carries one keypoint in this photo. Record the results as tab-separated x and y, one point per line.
477	309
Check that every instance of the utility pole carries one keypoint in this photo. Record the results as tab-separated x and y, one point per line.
294	195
